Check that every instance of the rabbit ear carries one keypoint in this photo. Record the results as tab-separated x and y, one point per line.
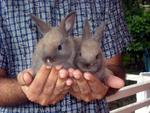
43	27
67	23
86	30
99	31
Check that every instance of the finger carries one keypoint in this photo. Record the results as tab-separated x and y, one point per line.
28	78
24	78
42	100
114	82
77	74
75	94
58	67
95	84
20	79
40	80
81	82
30	71
75	87
63	74
60	96
86	98
69	82
71	70
50	83
61	82
56	99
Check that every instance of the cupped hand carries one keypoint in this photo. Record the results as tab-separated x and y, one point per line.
48	87
86	86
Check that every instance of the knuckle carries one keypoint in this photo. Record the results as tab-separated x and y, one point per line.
56	99
98	97
87	99
50	102
32	98
85	92
43	103
54	102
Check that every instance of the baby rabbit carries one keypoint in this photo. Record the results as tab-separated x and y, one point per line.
89	57
56	47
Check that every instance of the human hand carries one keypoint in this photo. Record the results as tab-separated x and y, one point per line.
113	81
86	86
48	87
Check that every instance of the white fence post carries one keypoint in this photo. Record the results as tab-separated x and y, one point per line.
143	99
144	94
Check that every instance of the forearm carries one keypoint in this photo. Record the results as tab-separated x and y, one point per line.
10	92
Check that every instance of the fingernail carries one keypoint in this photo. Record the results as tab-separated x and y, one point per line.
87	76
77	74
71	72
63	73
30	71
58	67
48	67
27	78
69	82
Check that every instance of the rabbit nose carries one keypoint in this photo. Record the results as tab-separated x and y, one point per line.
88	65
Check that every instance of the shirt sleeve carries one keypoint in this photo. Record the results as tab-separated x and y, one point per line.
3	58
116	36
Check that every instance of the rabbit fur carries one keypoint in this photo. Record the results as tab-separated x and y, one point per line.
57	46
89	57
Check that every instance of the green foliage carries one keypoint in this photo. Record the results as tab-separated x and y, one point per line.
131	7
138	23
139	27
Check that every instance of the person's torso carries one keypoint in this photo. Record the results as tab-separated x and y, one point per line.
21	35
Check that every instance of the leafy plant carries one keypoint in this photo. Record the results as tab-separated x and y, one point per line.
139	27
138	22
132	7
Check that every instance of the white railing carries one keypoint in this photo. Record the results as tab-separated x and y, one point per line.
141	89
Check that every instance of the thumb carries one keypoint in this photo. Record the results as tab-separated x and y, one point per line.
25	77
113	81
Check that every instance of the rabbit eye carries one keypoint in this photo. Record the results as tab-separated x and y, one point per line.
97	56
59	47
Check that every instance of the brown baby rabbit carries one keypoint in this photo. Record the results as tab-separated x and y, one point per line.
89	57
56	47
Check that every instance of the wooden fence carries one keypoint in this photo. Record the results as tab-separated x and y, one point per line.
141	89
